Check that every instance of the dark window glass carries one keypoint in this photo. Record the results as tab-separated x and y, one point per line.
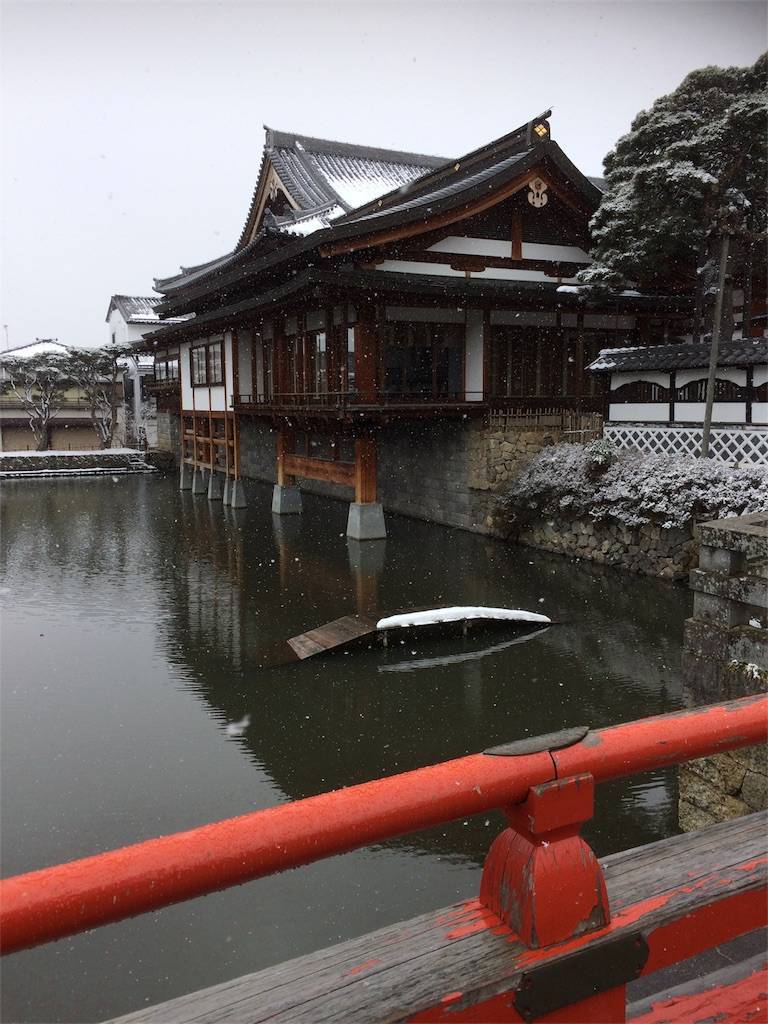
215	365
199	370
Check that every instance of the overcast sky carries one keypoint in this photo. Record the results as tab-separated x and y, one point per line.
132	132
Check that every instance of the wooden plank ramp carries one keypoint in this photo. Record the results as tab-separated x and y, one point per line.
680	893
332	635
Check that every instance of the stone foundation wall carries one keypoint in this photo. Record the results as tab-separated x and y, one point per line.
649	549
169	433
725	656
443	472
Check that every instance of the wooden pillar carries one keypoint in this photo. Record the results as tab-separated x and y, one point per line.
365	471
283	448
748	393
280	371
672	395
517	237
578	387
366	355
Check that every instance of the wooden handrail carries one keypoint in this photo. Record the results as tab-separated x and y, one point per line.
48	904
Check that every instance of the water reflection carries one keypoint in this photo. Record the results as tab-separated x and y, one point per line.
135	703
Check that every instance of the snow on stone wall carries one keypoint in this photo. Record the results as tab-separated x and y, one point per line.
632	488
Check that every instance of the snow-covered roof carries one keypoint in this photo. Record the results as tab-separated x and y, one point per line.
137	309
41	347
678	357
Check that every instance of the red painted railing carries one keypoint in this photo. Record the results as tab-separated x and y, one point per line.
57	901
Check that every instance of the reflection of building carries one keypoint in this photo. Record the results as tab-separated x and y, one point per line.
128	317
70	428
656	398
376	299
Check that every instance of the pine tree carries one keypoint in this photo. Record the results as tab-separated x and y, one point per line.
693	167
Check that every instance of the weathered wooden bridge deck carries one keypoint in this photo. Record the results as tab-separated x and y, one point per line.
332	635
680	896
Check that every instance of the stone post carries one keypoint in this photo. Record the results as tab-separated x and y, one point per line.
725	656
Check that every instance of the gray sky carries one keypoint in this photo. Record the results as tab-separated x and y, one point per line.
132	132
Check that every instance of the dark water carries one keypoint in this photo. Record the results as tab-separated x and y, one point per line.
132	620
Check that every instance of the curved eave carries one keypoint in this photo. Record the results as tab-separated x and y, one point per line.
368	228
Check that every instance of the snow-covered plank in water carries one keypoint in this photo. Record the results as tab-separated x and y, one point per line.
459	613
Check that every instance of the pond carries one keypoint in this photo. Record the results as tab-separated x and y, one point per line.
133	619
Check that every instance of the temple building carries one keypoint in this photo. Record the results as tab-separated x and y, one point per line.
380	313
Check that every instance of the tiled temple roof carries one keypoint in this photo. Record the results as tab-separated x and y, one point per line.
679	357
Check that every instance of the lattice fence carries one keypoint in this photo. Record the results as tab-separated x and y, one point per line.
731	445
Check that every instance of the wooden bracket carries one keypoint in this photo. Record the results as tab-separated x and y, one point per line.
540	877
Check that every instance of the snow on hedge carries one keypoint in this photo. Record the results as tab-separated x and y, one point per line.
631	487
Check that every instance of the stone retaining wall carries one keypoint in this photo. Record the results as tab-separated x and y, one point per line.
725	656
442	471
649	549
51	463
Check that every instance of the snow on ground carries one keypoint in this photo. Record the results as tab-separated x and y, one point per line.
458	614
49	452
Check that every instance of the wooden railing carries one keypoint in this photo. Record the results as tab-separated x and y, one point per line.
552	932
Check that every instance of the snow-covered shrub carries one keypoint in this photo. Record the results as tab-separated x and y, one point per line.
634	488
600	455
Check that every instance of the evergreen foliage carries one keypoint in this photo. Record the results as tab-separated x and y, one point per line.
691	167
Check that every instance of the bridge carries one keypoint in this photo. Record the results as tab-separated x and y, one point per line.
554	934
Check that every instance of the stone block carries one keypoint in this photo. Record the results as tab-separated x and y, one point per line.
237	494
754	791
185	477
366	521
215	491
286	501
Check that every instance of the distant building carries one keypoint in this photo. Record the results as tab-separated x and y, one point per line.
128	317
656	398
71	428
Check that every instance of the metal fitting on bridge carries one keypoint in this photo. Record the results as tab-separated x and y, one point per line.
540	877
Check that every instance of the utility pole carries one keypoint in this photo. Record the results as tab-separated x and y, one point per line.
713	352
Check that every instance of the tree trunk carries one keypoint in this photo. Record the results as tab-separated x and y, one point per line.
717	324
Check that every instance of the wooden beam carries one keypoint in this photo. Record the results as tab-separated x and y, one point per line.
517	237
319	469
283	446
365	470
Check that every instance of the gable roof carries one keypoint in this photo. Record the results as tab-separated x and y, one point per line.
330	178
688	356
137	309
39	347
445	186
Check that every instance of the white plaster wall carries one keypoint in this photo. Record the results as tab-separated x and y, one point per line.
639	412
473	356
467	246
186	383
760	412
619	379
442	270
218	398
722	412
760	375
